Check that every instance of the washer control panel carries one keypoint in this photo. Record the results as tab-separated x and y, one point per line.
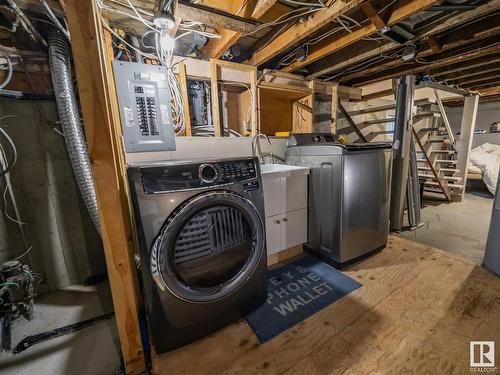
174	177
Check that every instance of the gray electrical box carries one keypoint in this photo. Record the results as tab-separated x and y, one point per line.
145	108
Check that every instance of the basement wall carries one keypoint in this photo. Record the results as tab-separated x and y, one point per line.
487	113
66	247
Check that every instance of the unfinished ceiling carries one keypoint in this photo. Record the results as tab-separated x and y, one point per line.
355	42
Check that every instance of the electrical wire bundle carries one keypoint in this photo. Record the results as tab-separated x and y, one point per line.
164	49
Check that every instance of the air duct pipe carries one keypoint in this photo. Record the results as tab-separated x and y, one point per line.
67	106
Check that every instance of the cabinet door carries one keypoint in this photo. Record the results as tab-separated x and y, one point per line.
296	192
295	228
274	234
274	194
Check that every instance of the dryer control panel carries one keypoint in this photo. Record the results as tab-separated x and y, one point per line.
174	177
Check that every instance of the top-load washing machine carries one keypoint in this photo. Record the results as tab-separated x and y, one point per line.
349	195
202	245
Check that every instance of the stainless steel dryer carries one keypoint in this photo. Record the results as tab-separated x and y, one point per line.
202	241
349	195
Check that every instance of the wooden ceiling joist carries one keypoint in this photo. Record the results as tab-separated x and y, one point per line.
474	73
479	79
469	38
213	17
436	64
300	31
471	65
250	9
332	44
326	67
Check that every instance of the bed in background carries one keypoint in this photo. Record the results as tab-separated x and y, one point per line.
484	163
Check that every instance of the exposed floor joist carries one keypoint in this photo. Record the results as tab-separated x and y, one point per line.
299	31
332	44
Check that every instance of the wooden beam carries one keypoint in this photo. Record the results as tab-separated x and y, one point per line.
213	17
433	43
479	85
334	108
436	64
466	133
183	83
490	90
474	73
299	31
216	47
101	122
481	78
444	116
454	21
332	44
460	68
214	96
350	121
262	7
372	14
425	53
441	87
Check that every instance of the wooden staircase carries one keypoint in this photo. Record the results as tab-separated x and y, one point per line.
436	152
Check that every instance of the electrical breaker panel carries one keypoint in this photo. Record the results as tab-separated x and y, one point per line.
145	110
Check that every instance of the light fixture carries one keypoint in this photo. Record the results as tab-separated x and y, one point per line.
164	20
409	52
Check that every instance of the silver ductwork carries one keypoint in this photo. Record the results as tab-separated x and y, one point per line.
67	106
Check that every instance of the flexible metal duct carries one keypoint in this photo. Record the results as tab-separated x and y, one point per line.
60	66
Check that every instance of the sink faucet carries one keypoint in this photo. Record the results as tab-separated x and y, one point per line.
256	146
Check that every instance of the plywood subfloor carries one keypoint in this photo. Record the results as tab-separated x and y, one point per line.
417	311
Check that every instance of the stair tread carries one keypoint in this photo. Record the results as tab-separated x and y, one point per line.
443	151
434	183
425	168
431	176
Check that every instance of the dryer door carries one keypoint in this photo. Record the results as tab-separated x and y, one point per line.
208	247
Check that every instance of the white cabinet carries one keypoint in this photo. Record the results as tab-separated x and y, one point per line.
285	204
286	230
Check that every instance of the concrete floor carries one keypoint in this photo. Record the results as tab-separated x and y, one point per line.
90	351
457	227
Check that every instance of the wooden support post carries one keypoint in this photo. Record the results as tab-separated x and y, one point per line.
215	65
185	98
255	97
214	83
101	122
464	142
335	108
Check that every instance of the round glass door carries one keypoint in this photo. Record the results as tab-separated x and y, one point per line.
209	246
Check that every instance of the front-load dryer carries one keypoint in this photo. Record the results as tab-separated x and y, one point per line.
202	245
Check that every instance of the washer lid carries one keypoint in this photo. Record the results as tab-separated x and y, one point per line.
208	247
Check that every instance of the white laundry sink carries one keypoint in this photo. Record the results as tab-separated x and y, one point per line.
283	170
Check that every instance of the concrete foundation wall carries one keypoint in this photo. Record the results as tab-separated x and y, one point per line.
487	113
66	247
